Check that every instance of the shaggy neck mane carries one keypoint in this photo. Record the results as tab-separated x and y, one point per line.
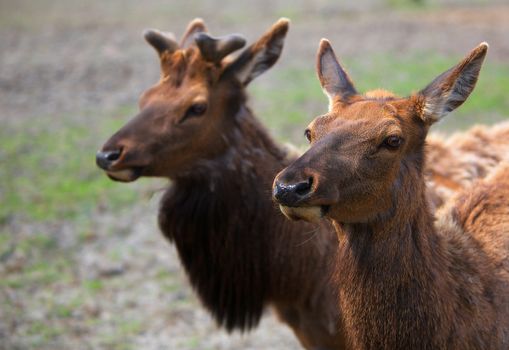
404	286
225	226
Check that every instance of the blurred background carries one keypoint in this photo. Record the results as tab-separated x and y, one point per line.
82	263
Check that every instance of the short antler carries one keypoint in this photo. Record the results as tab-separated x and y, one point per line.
195	26
215	49
162	42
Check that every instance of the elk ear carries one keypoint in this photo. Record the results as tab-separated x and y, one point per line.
450	89
195	26
261	55
335	82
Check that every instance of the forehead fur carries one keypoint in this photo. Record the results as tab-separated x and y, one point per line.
380	94
366	108
367	116
185	63
392	114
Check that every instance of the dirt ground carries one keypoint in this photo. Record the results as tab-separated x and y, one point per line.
105	278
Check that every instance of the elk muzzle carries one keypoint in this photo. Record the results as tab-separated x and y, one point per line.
104	159
108	160
292	195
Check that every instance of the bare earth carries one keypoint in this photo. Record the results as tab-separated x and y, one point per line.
77	61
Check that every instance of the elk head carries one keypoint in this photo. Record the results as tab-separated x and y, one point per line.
366	147
183	118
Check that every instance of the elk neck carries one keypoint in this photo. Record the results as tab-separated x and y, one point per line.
229	234
392	279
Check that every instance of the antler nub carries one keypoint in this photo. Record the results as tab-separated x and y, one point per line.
215	49
197	25
161	41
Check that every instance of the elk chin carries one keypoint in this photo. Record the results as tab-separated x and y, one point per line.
124	175
311	214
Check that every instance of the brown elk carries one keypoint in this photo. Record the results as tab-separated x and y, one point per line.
239	252
404	280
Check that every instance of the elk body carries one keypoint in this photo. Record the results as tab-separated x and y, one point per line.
454	163
239	252
405	280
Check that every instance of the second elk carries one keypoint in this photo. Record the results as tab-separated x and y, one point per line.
406	279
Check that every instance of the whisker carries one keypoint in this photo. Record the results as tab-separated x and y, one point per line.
313	235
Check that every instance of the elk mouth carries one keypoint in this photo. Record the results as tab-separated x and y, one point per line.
306	213
125	175
115	165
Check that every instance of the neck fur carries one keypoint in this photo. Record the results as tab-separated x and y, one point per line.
230	236
403	285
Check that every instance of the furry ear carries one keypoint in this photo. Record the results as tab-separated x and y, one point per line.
261	55
450	89
335	82
195	26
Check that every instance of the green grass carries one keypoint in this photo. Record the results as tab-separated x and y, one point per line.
39	273
406	5
64	310
409	4
130	327
41	265
52	173
122	338
93	286
43	332
294	96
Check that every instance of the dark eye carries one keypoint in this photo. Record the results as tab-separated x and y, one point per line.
393	142
196	110
307	133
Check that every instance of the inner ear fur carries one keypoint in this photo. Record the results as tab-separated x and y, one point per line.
261	55
450	89
334	79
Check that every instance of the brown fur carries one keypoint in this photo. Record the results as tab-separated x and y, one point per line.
406	282
239	252
454	163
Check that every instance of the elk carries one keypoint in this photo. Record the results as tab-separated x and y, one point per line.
195	128
406	279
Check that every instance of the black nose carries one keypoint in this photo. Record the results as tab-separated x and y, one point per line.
104	159
290	194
